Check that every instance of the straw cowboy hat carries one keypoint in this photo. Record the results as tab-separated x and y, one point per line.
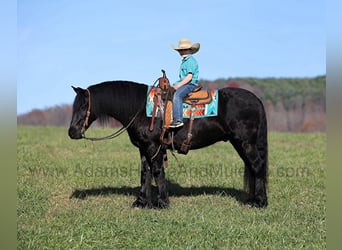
185	43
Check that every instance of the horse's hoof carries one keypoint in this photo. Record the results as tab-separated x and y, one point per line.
258	203
141	204
162	204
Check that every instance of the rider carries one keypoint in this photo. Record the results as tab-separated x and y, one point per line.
188	78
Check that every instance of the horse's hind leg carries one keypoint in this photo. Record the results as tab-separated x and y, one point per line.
255	175
255	172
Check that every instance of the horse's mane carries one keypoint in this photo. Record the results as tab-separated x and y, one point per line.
121	97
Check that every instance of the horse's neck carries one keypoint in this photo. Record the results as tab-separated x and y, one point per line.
122	101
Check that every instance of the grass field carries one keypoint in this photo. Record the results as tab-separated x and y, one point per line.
205	191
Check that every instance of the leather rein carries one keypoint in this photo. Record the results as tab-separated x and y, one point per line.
115	134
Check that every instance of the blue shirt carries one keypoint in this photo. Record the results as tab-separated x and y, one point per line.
189	65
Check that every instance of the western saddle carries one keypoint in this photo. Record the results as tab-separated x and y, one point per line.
163	101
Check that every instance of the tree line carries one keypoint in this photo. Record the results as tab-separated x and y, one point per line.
292	104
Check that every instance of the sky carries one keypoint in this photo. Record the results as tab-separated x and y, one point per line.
62	43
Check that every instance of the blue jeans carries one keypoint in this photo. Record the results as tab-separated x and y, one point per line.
178	100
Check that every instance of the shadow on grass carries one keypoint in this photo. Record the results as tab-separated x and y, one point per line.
175	190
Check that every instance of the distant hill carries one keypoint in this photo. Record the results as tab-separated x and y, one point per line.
54	116
292	104
59	116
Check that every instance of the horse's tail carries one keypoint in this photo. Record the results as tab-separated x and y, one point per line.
262	148
262	144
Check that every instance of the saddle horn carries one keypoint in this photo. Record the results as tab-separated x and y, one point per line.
164	82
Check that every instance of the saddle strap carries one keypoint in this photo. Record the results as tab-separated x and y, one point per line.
163	140
184	149
155	104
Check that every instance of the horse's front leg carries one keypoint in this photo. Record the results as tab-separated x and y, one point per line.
159	176
144	198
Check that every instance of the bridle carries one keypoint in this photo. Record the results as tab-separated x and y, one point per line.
86	120
112	136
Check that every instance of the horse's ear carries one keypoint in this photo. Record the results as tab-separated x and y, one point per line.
77	89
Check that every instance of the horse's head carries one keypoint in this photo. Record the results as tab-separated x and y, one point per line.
82	116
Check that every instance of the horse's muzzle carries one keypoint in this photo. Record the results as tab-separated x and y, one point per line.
75	133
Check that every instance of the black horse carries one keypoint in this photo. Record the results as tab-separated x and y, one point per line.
241	120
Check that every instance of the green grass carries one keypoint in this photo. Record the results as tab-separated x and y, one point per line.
204	212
